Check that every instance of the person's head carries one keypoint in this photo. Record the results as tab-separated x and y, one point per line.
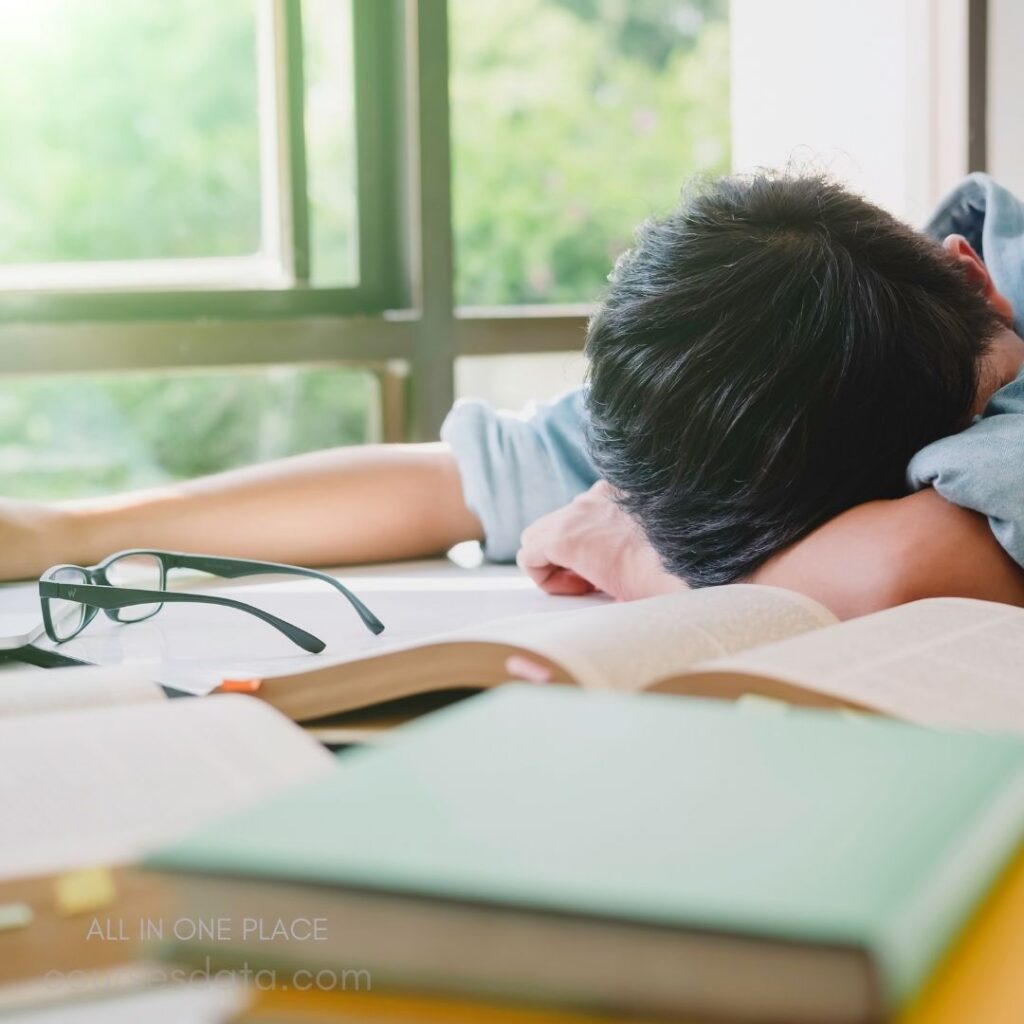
771	354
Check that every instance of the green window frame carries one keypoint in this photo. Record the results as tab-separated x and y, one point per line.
399	319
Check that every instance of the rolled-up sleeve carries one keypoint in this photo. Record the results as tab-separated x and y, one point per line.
982	468
516	468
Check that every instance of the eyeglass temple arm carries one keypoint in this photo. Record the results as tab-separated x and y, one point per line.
232	568
120	597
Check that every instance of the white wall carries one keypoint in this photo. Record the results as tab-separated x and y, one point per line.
1006	93
510	382
855	89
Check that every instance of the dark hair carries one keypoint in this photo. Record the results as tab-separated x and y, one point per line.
771	354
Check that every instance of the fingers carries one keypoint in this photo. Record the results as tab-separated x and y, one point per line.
554	579
554	552
566	583
534	559
534	564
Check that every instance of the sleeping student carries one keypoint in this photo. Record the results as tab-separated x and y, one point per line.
786	385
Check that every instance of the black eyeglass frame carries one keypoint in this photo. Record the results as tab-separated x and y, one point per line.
98	592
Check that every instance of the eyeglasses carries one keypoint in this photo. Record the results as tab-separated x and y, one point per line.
125	584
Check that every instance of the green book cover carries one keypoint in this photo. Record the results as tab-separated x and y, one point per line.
806	826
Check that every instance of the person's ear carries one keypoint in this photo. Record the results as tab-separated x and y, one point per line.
959	249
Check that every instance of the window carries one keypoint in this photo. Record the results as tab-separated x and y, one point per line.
130	129
148	154
226	220
572	121
177	145
330	142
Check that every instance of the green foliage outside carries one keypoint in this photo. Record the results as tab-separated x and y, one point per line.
66	436
129	129
130	132
572	121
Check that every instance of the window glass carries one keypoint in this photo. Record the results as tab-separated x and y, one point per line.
573	120
63	437
130	129
330	141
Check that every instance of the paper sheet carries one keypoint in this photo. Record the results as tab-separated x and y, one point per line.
21	617
34	690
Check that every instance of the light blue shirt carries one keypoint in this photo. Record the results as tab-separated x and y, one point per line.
982	468
518	467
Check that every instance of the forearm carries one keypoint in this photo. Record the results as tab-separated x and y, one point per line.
868	558
886	553
344	505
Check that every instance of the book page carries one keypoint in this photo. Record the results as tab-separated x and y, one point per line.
104	786
34	690
104	998
21	617
627	646
943	662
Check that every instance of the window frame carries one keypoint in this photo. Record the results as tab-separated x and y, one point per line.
278	288
399	320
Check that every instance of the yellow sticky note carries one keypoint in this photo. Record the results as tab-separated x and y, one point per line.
761	705
87	889
851	715
15	915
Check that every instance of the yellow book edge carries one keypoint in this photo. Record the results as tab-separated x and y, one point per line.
981	980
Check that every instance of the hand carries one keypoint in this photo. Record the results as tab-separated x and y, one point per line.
591	544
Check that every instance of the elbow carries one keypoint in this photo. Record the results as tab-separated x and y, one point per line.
891	575
888	553
953	554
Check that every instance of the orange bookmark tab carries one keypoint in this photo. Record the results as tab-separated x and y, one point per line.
239	686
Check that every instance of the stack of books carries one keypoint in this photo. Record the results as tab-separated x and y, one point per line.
615	854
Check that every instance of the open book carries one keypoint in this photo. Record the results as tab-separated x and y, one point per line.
133	776
943	662
98	787
939	662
